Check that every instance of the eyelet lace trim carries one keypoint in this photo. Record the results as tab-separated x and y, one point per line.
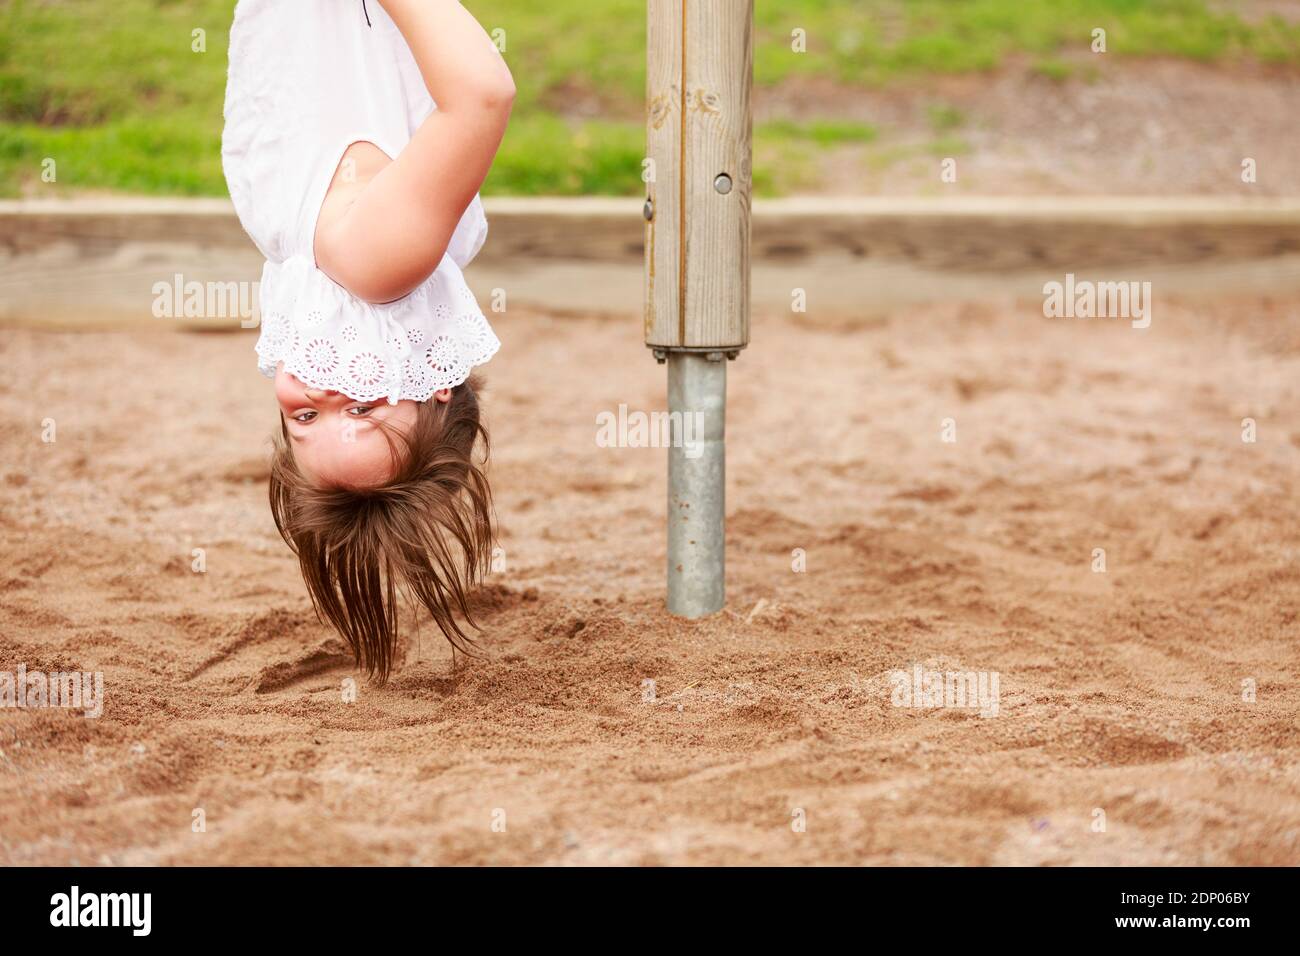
328	338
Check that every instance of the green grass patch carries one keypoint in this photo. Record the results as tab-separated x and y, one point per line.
945	117
1053	69
545	155
821	132
882	41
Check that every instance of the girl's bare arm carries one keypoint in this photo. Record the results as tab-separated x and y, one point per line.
381	236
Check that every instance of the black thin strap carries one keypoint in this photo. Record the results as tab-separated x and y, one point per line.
367	13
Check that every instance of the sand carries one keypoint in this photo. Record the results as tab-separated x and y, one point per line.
771	736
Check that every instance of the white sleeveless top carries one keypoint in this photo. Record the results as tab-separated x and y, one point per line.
307	79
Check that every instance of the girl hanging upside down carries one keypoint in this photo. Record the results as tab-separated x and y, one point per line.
363	196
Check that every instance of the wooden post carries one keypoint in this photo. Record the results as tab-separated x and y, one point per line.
699	129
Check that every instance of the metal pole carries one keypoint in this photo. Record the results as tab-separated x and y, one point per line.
697	406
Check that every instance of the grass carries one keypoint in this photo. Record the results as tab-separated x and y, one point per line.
1054	69
115	95
945	118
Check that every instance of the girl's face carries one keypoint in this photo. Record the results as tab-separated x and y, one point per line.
336	440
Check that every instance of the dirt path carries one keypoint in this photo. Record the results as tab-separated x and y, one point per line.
1114	127
1119	691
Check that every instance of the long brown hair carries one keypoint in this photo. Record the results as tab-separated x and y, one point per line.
428	531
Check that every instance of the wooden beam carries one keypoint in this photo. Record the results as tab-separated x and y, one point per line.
699	131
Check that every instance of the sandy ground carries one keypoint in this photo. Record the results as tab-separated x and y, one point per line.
1120	692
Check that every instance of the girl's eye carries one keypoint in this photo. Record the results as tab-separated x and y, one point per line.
304	417
360	410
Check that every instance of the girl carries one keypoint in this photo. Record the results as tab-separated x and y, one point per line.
363	196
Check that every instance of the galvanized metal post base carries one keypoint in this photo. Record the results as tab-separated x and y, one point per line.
697	406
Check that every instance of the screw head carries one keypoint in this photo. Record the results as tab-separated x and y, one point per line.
722	183
648	210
